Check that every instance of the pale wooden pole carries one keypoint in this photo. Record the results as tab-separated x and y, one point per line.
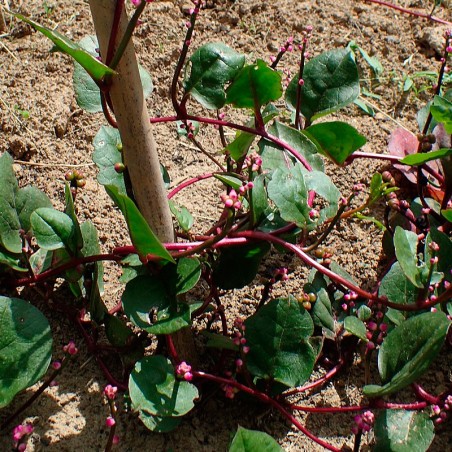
139	149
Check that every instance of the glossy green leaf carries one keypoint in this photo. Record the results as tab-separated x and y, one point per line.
408	351
336	140
154	389
253	441
70	212
237	265
169	323
53	229
87	93
142	295
278	336
398	289
91	247
321	311
289	189
9	220
41	261
405	243
11	260
421	158
242	142
182	277
254	86
143	238
28	199
447	214
107	143
96	69
331	81
403	431
182	215
25	347
212	66
258	199
441	110
273	156
159	424
356	327
229	179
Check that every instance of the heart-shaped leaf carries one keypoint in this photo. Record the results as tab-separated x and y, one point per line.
331	81
212	66
254	86
25	347
278	337
403	431
408	351
153	388
336	140
253	441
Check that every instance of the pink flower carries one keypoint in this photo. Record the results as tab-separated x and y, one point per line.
70	348
110	421
110	391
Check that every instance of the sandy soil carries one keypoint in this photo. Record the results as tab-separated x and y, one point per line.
57	134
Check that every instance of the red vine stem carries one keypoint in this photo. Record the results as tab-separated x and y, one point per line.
266	399
410	11
187	183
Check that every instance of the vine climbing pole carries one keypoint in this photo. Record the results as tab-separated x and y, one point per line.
139	148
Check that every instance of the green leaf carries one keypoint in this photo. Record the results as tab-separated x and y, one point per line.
220	341
258	199
28	199
321	311
373	62
144	240
405	243
11	260
70	212
441	110
398	289
168	323
356	327
243	140
237	265
273	156
212	66
182	214
447	214
408	351
182	277
25	347
154	389
367	108
421	158
444	253
107	143
331	81
117	332
159	424
336	140
53	229
94	67
254	86
278	336
87	92
253	441
9	220
403	431
229	179
91	247
289	189
141	295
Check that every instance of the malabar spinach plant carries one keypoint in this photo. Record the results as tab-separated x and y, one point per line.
276	199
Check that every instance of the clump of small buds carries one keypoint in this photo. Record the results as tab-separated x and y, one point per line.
253	161
376	329
442	412
231	200
426	141
363	422
76	178
307	299
19	433
239	336
324	254
349	300
70	348
190	129
183	370
388	178
110	392
229	390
